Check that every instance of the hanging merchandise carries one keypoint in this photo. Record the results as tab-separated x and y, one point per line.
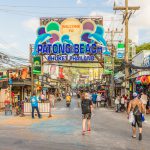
138	80
24	73
148	77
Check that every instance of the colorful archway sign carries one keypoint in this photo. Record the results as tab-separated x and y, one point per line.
70	37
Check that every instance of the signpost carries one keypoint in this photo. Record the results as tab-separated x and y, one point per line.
37	65
108	69
120	51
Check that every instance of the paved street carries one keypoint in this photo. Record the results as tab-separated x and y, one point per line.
63	132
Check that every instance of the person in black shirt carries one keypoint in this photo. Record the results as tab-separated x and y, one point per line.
86	106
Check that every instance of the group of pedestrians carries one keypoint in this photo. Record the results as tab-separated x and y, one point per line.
121	103
136	109
96	98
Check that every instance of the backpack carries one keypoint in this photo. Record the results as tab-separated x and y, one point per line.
78	95
136	111
85	105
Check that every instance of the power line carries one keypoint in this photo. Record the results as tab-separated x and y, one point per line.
47	7
28	13
70	66
5	43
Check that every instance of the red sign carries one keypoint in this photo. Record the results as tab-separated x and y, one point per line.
61	76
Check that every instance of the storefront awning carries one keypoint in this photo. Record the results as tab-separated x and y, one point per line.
119	75
139	73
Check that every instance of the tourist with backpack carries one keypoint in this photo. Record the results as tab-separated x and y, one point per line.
86	105
137	108
34	104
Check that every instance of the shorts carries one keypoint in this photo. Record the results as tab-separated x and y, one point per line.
94	102
138	121
86	116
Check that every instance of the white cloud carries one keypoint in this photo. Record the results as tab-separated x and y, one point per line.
32	24
140	21
8	46
78	2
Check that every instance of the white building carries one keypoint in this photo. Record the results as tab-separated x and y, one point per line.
138	59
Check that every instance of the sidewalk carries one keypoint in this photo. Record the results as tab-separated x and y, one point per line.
23	121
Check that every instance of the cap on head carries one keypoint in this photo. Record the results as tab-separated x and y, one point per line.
135	94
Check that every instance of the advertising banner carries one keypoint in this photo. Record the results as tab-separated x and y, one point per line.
54	71
146	62
61	76
37	65
108	65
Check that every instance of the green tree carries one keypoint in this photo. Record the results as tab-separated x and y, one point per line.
145	46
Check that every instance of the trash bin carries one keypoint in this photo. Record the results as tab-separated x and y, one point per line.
8	109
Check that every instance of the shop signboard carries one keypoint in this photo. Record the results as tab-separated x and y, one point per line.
146	62
108	65
61	76
54	71
120	51
70	40
37	65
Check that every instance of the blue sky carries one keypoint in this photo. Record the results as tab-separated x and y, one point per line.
20	18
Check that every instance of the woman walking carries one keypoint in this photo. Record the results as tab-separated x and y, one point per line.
86	106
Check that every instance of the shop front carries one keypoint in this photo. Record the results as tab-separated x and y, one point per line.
140	81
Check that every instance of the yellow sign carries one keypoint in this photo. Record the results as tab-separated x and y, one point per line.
73	28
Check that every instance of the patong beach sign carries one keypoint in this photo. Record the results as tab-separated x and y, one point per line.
71	40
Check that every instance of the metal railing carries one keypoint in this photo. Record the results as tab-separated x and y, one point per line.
44	108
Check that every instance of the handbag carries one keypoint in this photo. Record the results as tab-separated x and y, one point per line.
131	117
142	118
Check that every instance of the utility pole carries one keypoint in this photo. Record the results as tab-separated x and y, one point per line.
127	12
126	58
112	47
32	77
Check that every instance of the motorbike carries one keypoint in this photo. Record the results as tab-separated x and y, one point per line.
68	104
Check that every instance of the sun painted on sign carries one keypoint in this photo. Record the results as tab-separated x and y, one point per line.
71	37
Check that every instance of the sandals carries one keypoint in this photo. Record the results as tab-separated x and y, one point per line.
83	132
